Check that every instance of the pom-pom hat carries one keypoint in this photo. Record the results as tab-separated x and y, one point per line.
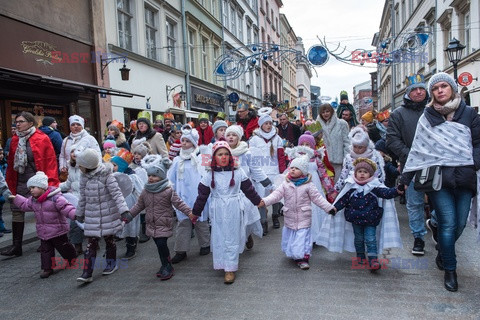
301	163
39	180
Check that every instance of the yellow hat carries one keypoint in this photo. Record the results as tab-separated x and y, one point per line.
159	117
203	116
221	115
368	116
144	114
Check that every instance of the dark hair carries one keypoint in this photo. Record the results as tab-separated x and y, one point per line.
28	116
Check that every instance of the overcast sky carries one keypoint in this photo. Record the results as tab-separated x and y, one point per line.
352	23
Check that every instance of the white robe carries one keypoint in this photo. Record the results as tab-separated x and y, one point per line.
132	229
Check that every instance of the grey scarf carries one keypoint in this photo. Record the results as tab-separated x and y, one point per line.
20	160
157	187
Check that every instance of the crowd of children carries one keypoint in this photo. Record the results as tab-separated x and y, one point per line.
216	186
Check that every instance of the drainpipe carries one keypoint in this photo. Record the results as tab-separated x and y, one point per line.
186	57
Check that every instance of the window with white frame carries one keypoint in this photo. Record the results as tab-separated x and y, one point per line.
410	7
205	58
191	50
240	27
214	8
151	33
255	35
125	24
233	21
249	33
466	36
404	13
216	54
250	83
225	13
397	22
267	10
171	32
258	82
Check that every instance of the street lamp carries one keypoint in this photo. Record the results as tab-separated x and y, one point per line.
454	52
182	93
124	71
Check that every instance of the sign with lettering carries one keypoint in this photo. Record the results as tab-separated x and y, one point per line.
206	100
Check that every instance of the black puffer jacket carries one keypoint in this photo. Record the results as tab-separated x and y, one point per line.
455	177
401	128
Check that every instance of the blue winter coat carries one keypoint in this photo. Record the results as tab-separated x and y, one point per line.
55	137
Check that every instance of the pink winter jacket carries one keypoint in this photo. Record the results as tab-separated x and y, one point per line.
51	214
297	211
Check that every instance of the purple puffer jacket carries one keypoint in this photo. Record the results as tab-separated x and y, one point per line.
51	213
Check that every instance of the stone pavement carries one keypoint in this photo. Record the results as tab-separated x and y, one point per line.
268	286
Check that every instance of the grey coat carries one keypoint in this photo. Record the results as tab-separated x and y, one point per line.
402	126
101	202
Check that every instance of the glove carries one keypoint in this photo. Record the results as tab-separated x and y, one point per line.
126	216
80	219
332	212
401	187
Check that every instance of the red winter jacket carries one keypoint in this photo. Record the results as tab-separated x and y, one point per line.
43	156
249	128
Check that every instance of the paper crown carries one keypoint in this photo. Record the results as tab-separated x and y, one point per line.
414	78
383	115
168	116
159	117
125	155
314	127
203	115
118	124
221	115
144	114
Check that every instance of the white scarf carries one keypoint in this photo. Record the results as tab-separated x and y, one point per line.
447	144
240	149
367	154
350	184
188	154
78	136
266	135
20	160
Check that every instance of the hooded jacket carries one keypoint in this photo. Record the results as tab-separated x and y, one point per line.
55	138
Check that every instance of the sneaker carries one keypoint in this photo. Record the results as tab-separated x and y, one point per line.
418	247
204	251
46	273
249	243
303	265
179	256
166	272
110	269
129	255
433	229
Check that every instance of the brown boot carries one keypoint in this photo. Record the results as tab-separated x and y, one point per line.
16	248
229	277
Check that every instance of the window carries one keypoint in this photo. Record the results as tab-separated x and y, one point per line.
216	54
225	13
267	11
240	28
150	33
397	22
258	81
300	93
191	51
410	7
171	43
431	45
249	32
125	18
204	58
214	9
404	13
467	26
233	20
255	35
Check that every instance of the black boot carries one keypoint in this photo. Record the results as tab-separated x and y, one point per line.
438	258
179	256
166	272
143	236
276	223
89	262
450	278
265	228
16	248
131	243
111	257
373	263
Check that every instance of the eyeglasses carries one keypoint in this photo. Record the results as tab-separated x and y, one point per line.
20	121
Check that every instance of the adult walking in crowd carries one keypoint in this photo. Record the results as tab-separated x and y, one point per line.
288	130
335	136
346	111
400	132
116	130
49	127
246	118
447	135
30	151
154	138
78	136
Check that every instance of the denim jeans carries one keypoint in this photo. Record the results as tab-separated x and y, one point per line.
452	208
365	235
416	212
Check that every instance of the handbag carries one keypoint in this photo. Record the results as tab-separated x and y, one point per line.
428	179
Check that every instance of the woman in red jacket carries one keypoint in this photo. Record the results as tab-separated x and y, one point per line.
30	151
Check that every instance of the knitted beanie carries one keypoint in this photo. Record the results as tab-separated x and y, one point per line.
109	144
216	146
368	116
264	118
218	124
367	164
359	137
47	121
88	158
141	146
40	180
301	163
380	145
414	86
439	77
122	165
144	120
308	138
76	119
155	165
236	130
190	134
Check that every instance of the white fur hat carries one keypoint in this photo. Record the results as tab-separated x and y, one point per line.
88	158
141	146
235	129
76	119
155	165
300	163
359	137
190	134
40	180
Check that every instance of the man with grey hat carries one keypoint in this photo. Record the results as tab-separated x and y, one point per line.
400	134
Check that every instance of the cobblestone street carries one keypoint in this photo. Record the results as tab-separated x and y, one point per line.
268	286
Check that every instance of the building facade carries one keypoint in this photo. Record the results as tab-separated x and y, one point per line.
304	74
289	66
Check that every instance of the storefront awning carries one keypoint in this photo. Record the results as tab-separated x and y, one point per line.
16	76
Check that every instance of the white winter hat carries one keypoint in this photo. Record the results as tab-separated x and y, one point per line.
190	134
40	180
219	124
141	146
264	118
88	158
359	137
235	129
155	165
76	119
301	163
